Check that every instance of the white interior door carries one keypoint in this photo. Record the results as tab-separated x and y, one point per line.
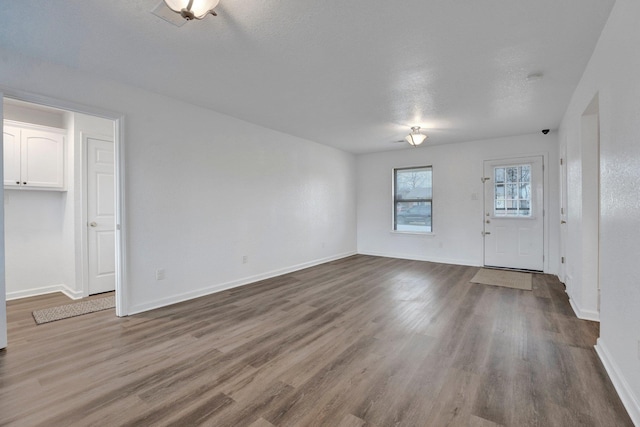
100	215
513	221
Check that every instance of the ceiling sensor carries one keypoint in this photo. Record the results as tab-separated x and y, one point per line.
534	77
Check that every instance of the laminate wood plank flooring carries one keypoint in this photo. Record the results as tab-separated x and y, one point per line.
362	341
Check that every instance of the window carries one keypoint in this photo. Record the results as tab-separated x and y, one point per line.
512	191
412	192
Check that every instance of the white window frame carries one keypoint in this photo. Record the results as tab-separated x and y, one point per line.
396	200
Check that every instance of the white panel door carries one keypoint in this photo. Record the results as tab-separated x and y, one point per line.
100	215
42	159
11	152
513	217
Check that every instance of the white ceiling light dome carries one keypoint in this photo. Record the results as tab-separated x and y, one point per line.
193	9
416	138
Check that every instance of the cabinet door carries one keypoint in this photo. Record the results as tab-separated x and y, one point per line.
11	156
42	159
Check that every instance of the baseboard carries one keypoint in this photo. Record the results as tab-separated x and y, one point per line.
591	315
421	258
139	308
629	400
43	291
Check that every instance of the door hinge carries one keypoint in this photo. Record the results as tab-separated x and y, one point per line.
542	212
561	162
562	260
542	257
484	179
562	211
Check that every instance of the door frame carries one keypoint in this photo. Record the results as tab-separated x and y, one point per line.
3	290
84	190
545	200
562	243
122	304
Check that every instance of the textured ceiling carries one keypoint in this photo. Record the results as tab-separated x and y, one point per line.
351	74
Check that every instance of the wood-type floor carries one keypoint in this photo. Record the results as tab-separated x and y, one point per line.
362	341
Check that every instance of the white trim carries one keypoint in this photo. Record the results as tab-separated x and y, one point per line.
44	290
122	298
80	191
629	400
33	126
118	139
3	296
25	96
233	284
412	257
592	315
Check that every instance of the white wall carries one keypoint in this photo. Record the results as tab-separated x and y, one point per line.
613	74
23	113
34	222
203	189
457	198
34	225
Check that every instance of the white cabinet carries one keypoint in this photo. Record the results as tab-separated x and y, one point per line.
33	158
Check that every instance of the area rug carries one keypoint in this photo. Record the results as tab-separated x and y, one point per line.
507	279
72	310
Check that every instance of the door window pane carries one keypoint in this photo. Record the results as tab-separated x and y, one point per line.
513	198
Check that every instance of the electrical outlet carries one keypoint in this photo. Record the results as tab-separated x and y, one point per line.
245	259
160	274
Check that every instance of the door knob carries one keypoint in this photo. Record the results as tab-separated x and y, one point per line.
93	224
484	233
563	222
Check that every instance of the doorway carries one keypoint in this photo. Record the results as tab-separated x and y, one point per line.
590	239
514	213
117	242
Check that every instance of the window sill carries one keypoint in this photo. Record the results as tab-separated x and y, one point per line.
417	233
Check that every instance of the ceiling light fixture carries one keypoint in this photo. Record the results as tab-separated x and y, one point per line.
193	9
415	138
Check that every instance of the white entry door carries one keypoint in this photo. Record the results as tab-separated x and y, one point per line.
100	215
513	216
